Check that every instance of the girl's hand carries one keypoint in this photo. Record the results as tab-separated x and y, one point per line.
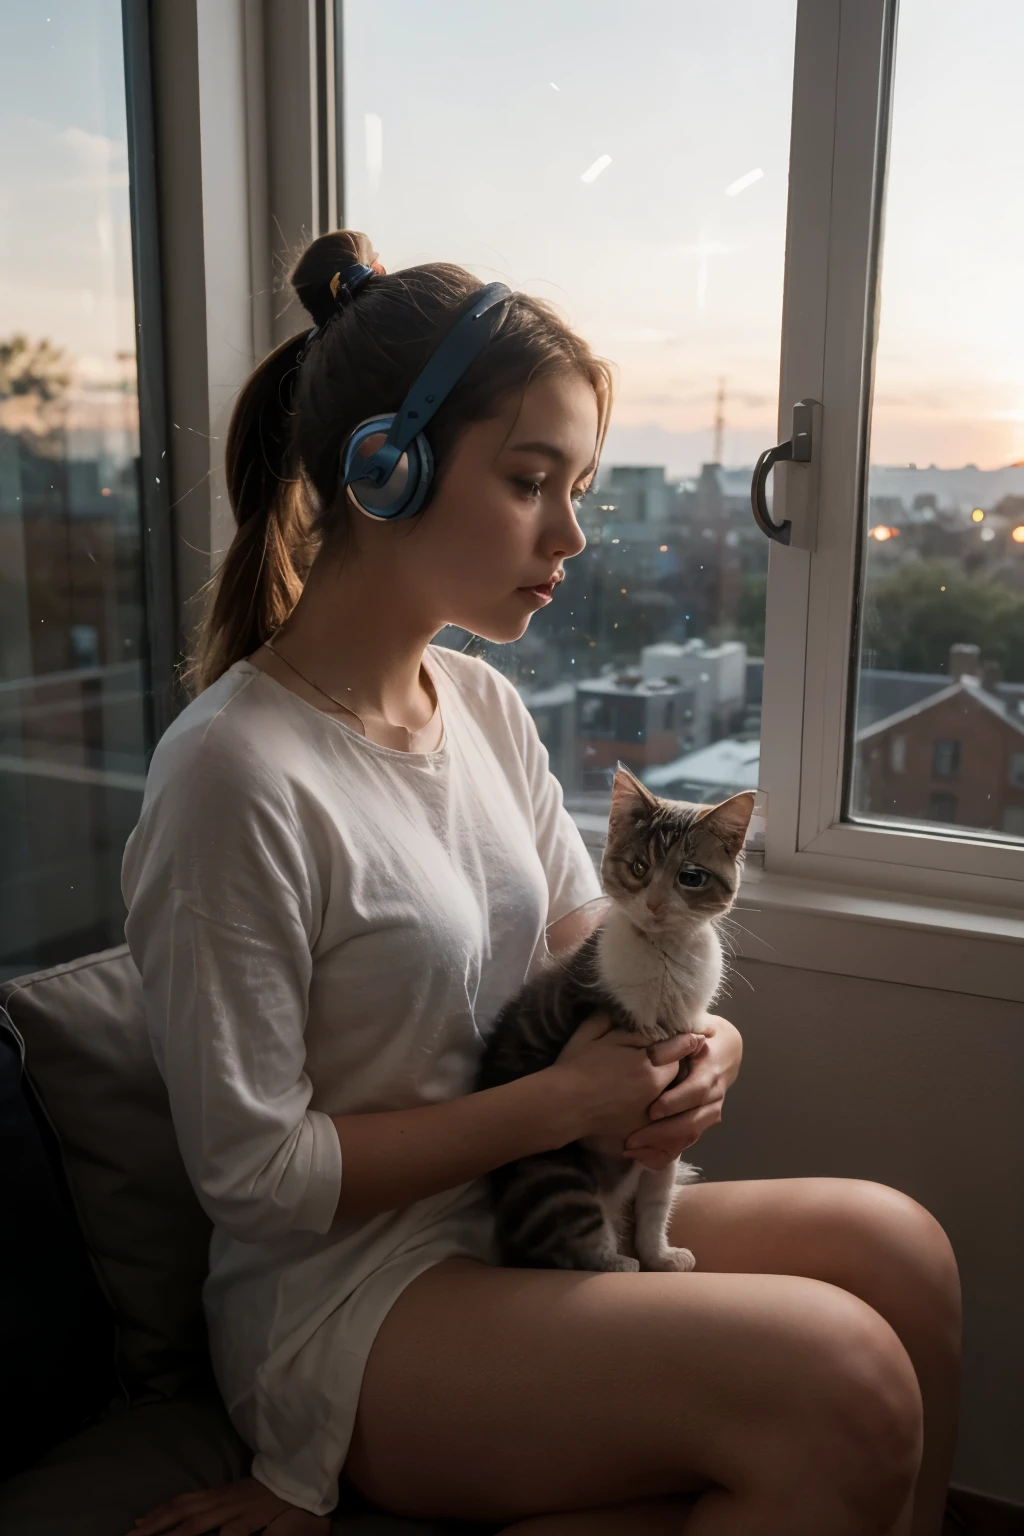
611	1077
682	1114
241	1508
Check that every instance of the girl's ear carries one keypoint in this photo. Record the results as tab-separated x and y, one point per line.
729	820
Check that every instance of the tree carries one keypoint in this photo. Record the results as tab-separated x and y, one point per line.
33	383
32	368
915	613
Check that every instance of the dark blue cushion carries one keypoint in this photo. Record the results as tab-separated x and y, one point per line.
56	1330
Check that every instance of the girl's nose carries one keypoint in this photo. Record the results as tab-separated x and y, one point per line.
566	538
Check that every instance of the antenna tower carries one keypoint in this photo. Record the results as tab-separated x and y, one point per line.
716	447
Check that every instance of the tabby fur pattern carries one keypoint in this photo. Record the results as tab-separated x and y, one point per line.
654	965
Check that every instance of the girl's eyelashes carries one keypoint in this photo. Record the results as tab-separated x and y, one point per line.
533	488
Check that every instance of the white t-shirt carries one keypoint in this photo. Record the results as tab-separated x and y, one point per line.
327	926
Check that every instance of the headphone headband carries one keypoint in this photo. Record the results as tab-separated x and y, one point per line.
464	342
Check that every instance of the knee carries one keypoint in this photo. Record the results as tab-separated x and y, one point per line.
907	1261
866	1437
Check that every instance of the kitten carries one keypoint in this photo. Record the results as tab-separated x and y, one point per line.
654	965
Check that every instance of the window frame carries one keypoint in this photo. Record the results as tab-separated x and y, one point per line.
163	695
842	93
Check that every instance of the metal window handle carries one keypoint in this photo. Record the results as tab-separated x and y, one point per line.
797	450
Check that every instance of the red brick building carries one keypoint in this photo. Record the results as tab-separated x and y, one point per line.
957	756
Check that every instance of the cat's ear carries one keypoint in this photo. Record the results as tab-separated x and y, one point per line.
729	820
628	797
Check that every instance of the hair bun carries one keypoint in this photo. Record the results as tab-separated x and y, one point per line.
326	260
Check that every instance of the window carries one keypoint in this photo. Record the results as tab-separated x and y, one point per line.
671	263
74	721
945	759
943	577
893	654
1017	770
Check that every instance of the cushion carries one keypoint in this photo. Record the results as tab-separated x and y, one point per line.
56	1330
99	1482
88	1055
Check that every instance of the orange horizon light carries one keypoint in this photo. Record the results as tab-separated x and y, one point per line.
883	532
1018	534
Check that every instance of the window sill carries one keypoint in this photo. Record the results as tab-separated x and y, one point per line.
911	940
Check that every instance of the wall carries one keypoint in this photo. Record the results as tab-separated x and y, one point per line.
921	1090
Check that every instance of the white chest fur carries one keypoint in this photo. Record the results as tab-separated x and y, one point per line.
665	982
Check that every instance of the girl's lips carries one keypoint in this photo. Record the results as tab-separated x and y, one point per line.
543	591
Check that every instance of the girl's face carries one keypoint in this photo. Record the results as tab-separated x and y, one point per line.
489	549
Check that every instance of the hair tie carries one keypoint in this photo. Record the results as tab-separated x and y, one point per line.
353	278
347	282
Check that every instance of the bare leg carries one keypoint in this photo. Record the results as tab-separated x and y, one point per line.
786	1407
651	1517
871	1241
781	1405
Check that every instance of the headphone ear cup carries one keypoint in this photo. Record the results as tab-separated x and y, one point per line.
405	490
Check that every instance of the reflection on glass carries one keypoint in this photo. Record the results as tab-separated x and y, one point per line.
636	177
940	696
72	720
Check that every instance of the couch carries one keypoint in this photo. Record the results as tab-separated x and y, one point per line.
163	1430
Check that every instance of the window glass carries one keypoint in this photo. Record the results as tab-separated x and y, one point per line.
72	718
632	170
941	658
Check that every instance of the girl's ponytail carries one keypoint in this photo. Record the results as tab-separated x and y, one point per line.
261	576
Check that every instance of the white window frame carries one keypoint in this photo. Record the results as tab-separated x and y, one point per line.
841	103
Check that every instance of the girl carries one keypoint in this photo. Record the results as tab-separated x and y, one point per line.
351	851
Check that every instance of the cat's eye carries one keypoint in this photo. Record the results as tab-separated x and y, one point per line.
693	879
638	868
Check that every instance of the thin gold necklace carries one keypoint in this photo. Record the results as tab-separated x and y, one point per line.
346	707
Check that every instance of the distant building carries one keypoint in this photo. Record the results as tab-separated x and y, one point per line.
623	717
631	493
713	774
956	756
716	673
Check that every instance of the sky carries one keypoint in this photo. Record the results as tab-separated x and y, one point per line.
477	157
469	129
65	236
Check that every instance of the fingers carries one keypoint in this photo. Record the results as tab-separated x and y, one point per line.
690	1043
245	1507
650	1157
703	1084
182	1513
675	1135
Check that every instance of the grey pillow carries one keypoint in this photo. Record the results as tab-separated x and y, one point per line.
88	1055
100	1480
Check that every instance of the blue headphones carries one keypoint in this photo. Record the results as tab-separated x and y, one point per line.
393	482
